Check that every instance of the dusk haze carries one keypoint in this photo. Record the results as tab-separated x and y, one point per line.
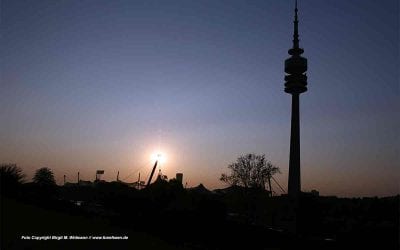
104	85
199	124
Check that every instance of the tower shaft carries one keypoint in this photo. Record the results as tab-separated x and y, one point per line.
294	159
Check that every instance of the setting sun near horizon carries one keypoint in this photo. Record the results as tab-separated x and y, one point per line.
110	85
158	156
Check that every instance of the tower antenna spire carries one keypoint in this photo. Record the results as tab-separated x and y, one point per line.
296	28
296	50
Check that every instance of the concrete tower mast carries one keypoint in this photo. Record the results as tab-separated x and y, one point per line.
295	84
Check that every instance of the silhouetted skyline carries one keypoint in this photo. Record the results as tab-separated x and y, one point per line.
89	85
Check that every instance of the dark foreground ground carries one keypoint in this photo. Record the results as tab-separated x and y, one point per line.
170	217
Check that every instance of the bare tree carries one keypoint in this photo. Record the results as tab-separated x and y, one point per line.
250	170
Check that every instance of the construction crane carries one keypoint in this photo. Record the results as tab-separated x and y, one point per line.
152	173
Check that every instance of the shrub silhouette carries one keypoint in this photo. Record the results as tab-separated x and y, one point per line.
44	177
11	178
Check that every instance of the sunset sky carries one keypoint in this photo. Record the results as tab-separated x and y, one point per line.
103	84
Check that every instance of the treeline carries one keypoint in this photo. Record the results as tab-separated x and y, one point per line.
197	218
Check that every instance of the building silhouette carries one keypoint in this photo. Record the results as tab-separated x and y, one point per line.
179	177
295	84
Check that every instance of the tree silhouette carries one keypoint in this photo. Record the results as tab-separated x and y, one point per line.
11	177
44	177
250	170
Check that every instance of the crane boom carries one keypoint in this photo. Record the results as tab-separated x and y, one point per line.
152	173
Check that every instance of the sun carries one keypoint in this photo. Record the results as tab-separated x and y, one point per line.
158	156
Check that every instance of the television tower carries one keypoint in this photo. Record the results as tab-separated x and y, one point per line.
295	84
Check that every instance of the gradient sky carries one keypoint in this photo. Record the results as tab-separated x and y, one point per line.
103	84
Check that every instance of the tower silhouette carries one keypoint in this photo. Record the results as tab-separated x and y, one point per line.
295	84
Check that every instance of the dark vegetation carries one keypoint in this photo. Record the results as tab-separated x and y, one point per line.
168	216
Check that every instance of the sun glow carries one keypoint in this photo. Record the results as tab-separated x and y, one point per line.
160	157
